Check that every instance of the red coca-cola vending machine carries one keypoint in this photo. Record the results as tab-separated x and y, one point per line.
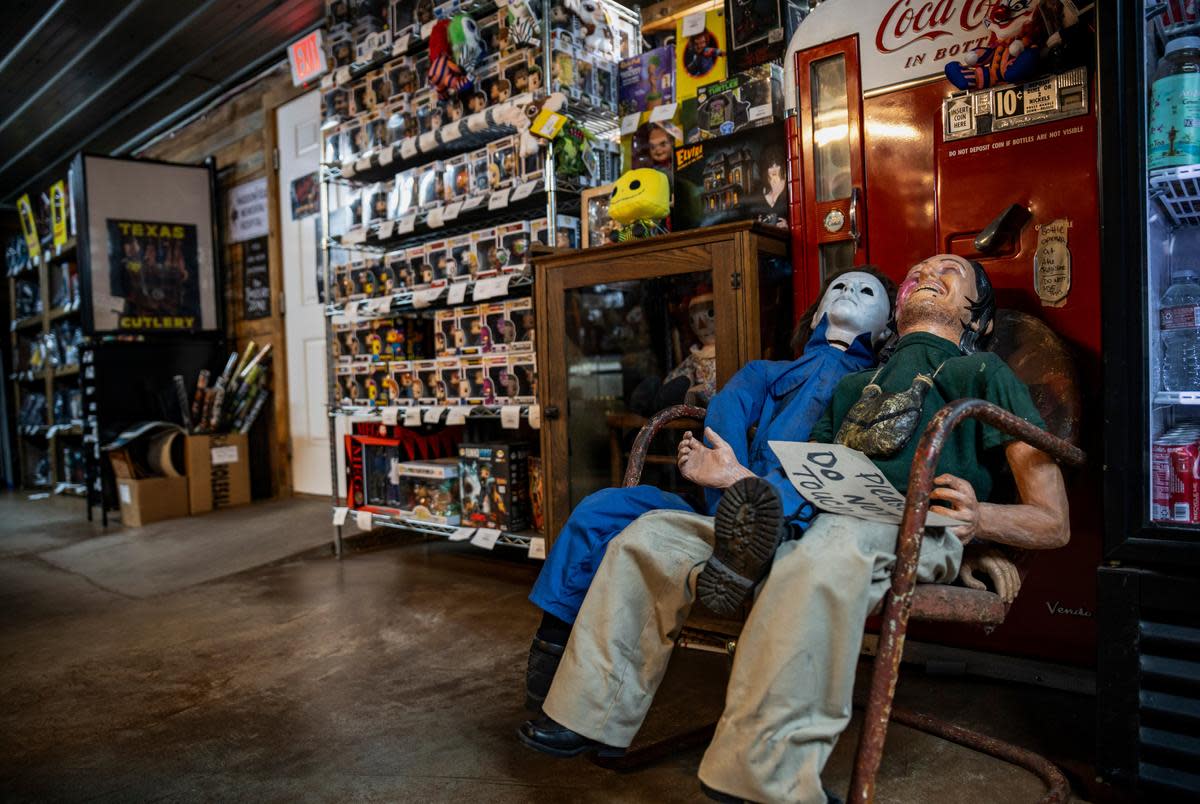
891	162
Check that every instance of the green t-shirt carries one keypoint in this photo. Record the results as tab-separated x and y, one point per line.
972	451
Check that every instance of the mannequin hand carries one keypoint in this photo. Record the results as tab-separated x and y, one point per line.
958	502
997	566
715	468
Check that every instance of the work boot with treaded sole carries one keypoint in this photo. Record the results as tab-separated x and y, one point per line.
749	527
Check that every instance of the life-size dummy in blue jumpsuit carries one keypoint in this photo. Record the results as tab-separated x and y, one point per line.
783	399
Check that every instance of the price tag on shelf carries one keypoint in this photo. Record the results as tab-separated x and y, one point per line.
486	538
327	81
363	520
498	199
412	417
400	46
629	123
406	224
355	236
387	229
408	147
457	293
363	163
537	547
427	29
693	24
450	211
473	202
491	287
451	131
664	112
425	297
535	417
339	515
391	415
510	417
525	190
457	415
434	219
348	170
381	305
428	141
386	156
342	76
433	414
352	310
461	534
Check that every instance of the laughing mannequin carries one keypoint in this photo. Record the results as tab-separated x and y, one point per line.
789	693
781	398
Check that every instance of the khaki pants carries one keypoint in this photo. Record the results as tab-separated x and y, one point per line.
789	694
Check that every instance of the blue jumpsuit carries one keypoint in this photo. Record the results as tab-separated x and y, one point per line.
783	398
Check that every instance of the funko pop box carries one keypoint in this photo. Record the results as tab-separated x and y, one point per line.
494	482
746	100
723	179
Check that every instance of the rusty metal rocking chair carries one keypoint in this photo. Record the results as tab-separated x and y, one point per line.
1040	359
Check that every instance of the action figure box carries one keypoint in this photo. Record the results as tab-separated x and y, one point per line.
375	203
403	196
476	381
343	334
746	100
394	339
536	506
341	51
514	245
402	376
431	489
362	376
700	52
646	81
478	161
739	177
430	181
436	254
756	32
397	262
515	68
520	313
494	481
387	280
492	84
403	76
379	136
422	274
336	103
502	163
498	326
444	340
567	236
379	89
470	324
346	386
450	380
607	84
533	165
502	381
487	256
374	45
462	258
425	381
458	177
490	39
564	77
653	144
360	104
524	366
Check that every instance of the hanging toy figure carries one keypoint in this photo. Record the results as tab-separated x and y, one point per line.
640	200
454	50
1020	31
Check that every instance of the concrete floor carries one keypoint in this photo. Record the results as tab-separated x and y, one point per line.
393	675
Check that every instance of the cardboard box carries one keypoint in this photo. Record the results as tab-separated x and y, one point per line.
152	499
494	481
218	471
700	52
730	179
744	100
647	80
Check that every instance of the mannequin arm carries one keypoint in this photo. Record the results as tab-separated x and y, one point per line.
1039	521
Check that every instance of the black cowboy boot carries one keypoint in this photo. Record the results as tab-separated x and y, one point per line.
749	527
544	657
555	739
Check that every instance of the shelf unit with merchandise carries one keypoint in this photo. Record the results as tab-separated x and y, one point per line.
430	211
46	339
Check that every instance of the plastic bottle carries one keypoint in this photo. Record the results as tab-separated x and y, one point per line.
1179	330
1175	106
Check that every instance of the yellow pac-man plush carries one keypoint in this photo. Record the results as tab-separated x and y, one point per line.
640	195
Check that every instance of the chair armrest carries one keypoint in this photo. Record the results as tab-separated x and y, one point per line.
637	455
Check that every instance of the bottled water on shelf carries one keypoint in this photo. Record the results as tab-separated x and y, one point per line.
1179	330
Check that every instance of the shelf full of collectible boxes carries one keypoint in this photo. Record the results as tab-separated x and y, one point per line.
46	346
430	204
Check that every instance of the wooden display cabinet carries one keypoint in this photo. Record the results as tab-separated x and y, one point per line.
614	319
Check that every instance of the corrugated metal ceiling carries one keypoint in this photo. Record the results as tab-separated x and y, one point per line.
105	76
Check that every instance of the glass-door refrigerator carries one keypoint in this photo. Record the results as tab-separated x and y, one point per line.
1148	679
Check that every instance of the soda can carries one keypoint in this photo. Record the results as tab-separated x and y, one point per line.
1165	485
1185	472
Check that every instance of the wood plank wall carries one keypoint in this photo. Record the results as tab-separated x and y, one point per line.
240	135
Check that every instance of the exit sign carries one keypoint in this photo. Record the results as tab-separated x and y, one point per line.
307	58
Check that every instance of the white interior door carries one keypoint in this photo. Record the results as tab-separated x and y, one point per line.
298	125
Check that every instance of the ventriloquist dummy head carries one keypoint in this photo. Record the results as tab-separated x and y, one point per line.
703	320
855	301
949	296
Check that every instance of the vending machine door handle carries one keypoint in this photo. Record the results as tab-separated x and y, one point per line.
854	233
1007	224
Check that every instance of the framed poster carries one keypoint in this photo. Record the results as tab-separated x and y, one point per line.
147	246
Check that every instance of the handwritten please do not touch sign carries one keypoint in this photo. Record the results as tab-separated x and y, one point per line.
842	480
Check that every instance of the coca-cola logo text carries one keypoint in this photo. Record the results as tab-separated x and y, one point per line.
909	21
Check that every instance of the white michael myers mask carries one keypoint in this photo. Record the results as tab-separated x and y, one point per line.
856	302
